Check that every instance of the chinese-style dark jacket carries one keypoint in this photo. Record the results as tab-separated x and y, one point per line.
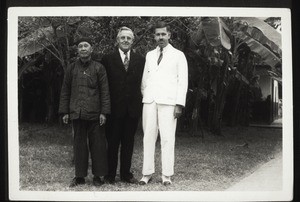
85	91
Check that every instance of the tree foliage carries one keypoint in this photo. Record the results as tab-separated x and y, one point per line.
223	54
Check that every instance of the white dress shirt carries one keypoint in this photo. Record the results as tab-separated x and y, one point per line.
122	54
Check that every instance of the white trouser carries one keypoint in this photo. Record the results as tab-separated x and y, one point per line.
159	117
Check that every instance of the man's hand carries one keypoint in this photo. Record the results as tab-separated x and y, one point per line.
66	119
177	111
102	119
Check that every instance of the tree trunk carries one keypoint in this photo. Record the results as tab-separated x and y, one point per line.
50	72
211	108
50	104
222	87
219	106
235	103
244	108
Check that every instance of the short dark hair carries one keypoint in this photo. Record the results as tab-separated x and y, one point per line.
161	24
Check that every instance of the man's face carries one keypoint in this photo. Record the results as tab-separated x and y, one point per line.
84	49
162	37
125	40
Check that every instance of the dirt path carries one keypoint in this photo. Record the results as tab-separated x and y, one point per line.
268	177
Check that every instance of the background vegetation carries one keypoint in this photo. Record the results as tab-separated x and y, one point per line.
224	55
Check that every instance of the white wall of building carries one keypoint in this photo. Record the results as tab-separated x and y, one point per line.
265	83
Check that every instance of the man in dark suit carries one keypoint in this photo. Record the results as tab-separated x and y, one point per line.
124	71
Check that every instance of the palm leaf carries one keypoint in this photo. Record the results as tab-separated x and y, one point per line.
261	32
271	33
35	41
267	56
215	32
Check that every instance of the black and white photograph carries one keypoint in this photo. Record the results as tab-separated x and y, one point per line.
149	104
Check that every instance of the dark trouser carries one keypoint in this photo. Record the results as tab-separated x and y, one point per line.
120	131
89	135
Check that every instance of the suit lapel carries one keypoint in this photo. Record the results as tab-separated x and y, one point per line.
132	60
118	60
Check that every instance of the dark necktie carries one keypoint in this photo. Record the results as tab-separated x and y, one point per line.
126	61
160	56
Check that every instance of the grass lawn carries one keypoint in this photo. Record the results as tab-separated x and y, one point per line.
212	164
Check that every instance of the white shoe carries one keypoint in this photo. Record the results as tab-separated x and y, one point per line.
166	180
145	179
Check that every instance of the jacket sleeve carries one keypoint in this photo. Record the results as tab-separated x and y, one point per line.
182	80
141	71
104	91
104	62
145	76
64	103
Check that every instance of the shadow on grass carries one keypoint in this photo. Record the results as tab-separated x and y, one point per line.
210	164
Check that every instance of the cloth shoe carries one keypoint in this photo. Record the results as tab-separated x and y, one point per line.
131	180
77	181
109	179
145	179
166	180
97	181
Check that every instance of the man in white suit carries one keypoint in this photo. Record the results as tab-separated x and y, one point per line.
164	88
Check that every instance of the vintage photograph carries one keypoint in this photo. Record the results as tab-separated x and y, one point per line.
150	104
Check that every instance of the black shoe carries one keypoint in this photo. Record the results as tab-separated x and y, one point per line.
77	181
131	180
97	181
109	179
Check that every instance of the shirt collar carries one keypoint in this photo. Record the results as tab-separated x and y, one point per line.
123	54
164	49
